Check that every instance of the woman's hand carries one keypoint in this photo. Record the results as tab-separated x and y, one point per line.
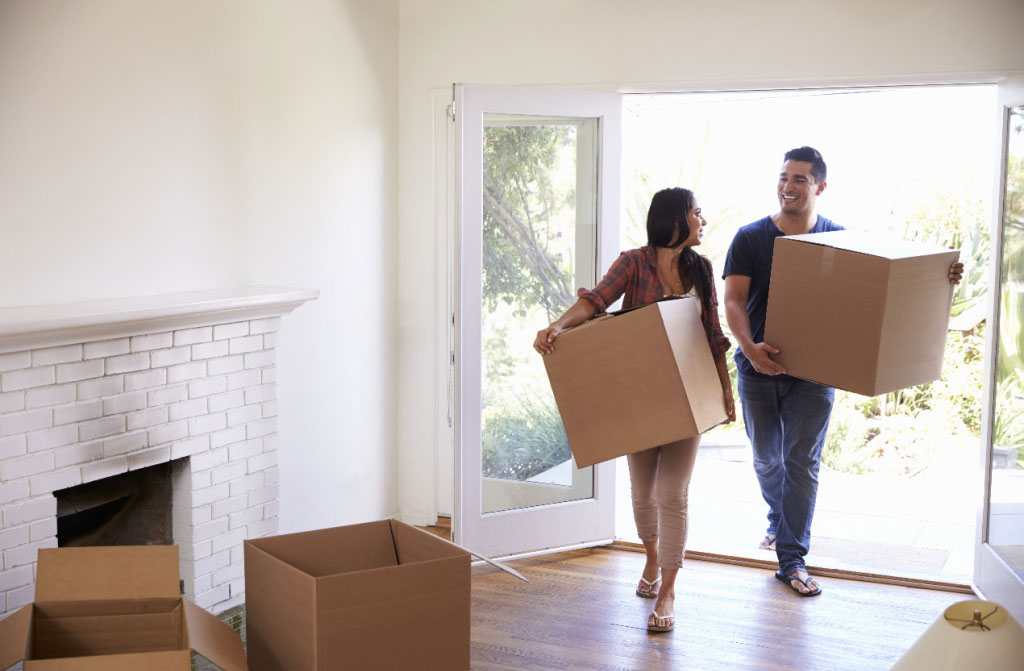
730	407
545	341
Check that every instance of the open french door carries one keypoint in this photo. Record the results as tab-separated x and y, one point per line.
537	203
999	552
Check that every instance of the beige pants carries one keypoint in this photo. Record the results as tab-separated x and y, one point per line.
660	479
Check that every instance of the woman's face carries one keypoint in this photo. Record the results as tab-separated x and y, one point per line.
696	222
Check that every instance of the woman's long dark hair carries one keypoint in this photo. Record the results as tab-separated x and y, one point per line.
668	208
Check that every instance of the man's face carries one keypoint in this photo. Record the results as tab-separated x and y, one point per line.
797	188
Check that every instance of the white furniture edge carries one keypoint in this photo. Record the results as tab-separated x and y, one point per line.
37	326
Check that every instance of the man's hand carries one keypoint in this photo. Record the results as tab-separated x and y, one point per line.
956	273
758	355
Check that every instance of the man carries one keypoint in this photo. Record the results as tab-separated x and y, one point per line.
786	418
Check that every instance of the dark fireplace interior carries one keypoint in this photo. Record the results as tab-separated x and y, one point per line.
132	508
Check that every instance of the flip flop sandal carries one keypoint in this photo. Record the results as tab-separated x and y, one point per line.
788	580
768	543
660	628
647	589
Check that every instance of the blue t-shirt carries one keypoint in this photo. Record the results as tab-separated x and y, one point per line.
750	254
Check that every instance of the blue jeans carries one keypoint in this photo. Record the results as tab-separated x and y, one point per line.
786	421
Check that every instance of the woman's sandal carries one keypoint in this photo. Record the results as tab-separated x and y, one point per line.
660	623
647	588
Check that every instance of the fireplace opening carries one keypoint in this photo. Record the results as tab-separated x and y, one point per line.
132	508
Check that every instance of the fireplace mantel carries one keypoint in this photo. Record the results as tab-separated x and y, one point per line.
38	326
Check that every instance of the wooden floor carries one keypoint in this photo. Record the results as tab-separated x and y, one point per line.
579	612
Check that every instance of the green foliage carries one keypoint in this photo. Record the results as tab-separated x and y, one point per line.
522	439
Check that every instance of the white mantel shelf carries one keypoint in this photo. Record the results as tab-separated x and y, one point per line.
36	326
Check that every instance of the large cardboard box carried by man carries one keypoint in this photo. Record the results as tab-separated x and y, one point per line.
114	609
860	313
636	379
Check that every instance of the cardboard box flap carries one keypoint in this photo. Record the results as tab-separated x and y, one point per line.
862	243
14	633
107	572
171	660
324	552
213	639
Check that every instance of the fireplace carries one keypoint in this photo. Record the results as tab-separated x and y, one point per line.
142	420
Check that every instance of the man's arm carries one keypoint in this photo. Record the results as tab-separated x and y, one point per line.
737	289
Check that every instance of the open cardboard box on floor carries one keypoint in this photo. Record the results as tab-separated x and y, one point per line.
375	596
635	379
114	609
859	312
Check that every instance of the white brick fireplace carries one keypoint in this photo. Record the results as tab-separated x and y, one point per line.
92	390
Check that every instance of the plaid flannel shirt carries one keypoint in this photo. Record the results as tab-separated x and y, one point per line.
634	275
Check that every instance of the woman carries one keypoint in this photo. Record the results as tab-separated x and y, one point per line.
660	476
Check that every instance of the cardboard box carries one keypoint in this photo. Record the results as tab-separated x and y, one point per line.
857	312
633	380
114	609
380	595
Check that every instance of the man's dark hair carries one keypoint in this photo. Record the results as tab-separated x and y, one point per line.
812	156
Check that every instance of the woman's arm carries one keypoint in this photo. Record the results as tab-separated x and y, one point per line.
581	311
723	377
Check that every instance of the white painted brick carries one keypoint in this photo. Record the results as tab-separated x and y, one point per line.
244	378
228	540
14	401
97	470
261	428
190	516
54	395
81	370
263	528
168	395
53	355
230	506
27	378
31	511
225	331
244	415
236	589
267	325
207	387
146	418
265	357
23	467
23	422
210	530
202	514
14	537
51	482
227	364
210	350
78	454
211	598
13	491
104	348
211	459
170	357
269	375
157	455
77	412
43	529
26	554
203	583
104	386
187	448
23	596
207	423
230	399
271	509
200	480
245	484
193	551
186	371
270	409
100	428
229	573
151	341
266	392
245	344
187	409
270	476
50	438
13	446
129	442
262	462
15	360
244	450
191	336
216	561
226	437
270	341
121	403
264	495
168	433
245	517
15	578
229	472
147	379
129	363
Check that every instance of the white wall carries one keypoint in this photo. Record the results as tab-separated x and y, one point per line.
170	145
635	46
